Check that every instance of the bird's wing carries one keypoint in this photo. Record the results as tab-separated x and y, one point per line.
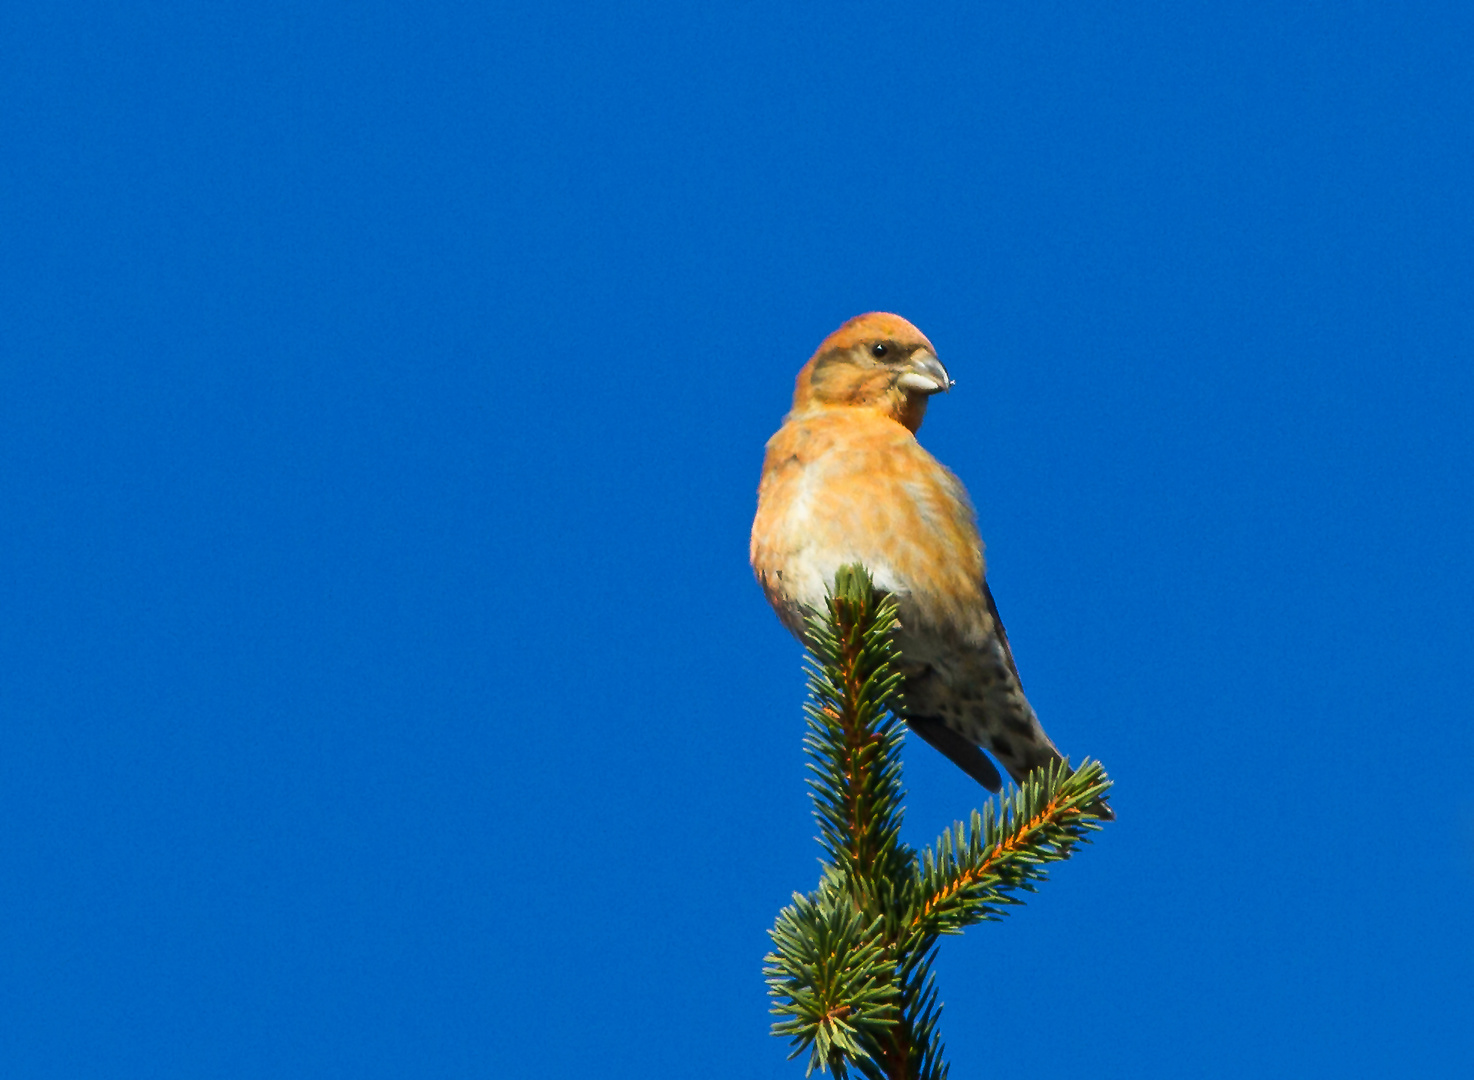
1002	633
960	751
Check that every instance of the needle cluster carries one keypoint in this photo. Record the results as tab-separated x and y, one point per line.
851	966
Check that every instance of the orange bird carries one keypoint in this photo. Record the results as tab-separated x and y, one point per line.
846	481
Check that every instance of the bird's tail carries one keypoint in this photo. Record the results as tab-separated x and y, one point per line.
1042	755
1023	757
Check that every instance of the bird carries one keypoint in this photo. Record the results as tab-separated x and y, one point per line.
845	481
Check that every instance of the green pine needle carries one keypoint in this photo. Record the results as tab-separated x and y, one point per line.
851	966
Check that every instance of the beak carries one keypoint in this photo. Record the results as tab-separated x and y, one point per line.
925	375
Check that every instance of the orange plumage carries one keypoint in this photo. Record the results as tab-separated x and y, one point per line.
846	481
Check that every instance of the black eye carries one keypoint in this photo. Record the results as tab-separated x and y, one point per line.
878	349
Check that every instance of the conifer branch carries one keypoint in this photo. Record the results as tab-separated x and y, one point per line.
851	966
975	872
836	975
855	735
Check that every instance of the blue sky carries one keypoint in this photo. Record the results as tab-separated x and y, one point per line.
383	687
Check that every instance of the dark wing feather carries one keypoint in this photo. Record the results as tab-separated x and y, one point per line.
967	757
1002	633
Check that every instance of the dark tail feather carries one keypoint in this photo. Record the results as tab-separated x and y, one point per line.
1102	809
971	759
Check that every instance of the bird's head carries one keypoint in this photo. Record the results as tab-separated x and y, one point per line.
879	361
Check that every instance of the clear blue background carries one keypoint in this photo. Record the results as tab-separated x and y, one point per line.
385	692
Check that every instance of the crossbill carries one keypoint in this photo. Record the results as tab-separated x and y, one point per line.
845	481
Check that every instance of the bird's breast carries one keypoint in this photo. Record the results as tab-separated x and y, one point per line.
852	487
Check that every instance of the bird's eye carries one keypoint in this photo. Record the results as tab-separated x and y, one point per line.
878	349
